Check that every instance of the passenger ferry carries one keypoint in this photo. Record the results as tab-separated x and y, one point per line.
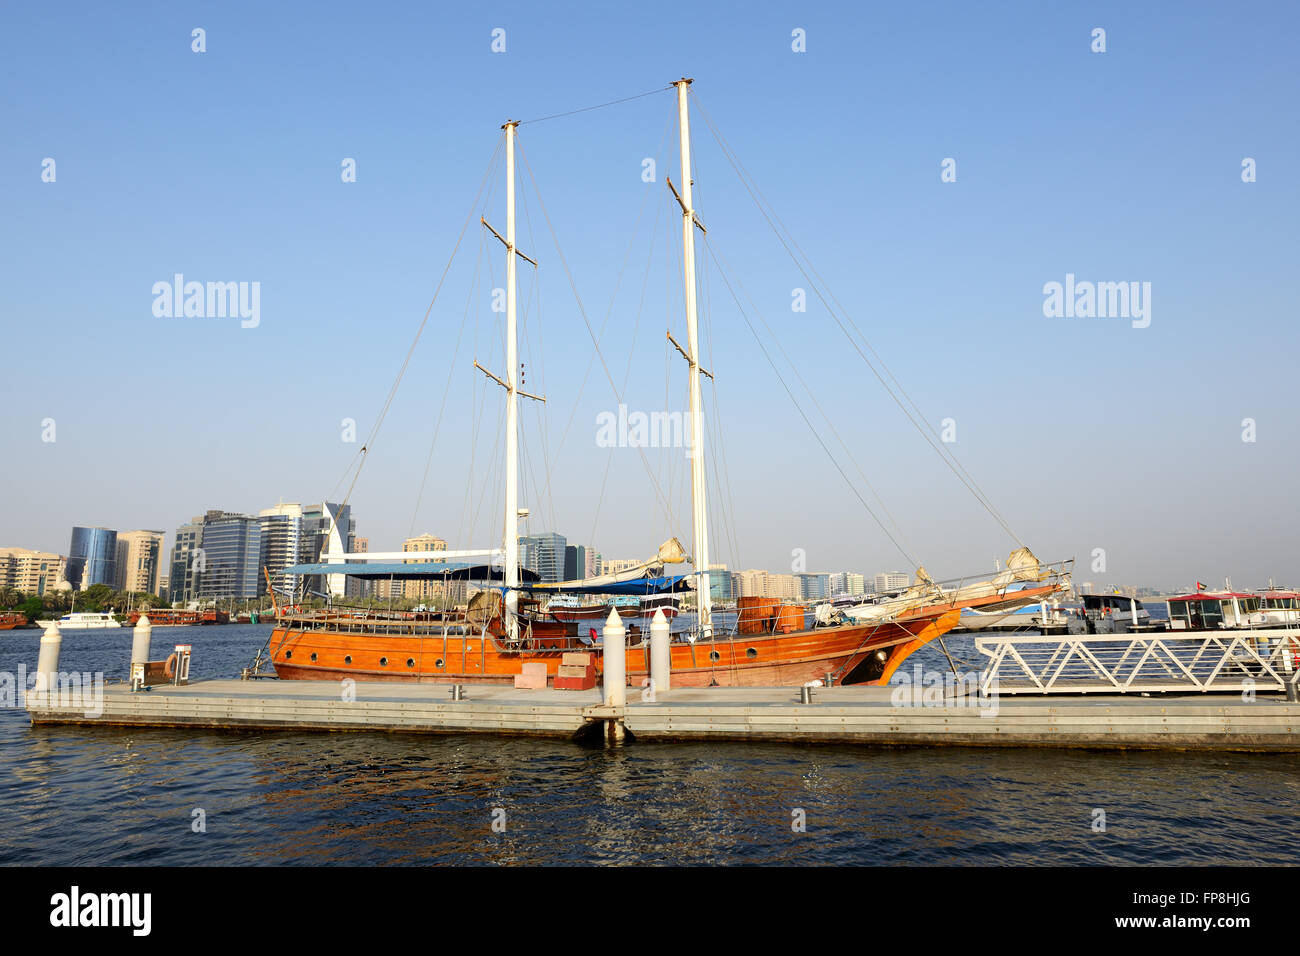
83	620
1279	606
1213	610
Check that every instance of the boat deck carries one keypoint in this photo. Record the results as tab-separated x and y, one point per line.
857	715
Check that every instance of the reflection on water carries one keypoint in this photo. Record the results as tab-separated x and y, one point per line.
103	796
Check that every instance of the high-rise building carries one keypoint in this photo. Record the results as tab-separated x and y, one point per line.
720	588
326	528
282	546
891	581
92	558
594	564
854	583
422	589
185	565
783	586
543	553
752	583
360	587
232	549
30	572
615	565
139	557
813	586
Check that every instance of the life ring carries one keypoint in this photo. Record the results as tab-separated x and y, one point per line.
170	667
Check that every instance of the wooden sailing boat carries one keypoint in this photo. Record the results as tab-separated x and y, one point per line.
498	636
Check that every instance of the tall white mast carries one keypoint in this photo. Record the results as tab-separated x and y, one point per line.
511	384
512	403
699	502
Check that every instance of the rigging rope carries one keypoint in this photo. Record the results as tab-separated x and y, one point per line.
598	106
583	312
374	432
903	551
948	458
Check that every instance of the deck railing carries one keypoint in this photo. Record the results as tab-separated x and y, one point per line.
1236	661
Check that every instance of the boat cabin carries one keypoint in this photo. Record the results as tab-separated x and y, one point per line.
1279	606
1110	605
1209	610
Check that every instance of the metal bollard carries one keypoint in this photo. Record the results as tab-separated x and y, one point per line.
47	665
457	691
660	653
805	695
830	679
615	671
141	639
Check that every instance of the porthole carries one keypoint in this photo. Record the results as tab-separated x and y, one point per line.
348	659
438	663
714	655
288	655
410	662
313	657
383	662
751	652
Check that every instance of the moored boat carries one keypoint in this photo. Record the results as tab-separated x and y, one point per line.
83	620
166	617
499	634
10	620
1279	605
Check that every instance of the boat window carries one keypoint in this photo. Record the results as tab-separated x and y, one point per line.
1249	604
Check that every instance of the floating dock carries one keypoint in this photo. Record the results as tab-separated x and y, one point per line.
835	715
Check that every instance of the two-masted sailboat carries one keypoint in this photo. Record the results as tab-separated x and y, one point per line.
505	628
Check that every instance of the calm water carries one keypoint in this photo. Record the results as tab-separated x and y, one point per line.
102	796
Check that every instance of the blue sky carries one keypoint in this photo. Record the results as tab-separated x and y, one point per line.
225	166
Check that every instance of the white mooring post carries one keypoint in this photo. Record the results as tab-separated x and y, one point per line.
660	654
615	671
1133	610
141	639
47	665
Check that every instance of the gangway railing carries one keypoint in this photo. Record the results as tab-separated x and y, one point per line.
1227	661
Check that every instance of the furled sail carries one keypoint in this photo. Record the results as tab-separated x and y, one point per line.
650	572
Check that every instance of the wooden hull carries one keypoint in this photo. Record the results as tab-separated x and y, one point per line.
845	652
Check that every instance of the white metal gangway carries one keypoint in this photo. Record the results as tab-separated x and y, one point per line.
1227	661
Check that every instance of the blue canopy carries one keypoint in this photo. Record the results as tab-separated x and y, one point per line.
422	571
660	585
